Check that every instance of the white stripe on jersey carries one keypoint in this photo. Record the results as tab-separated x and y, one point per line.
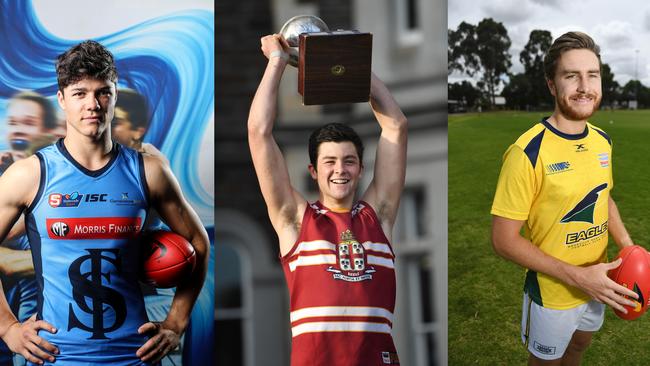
312	260
317	327
380	261
307	246
325	311
377	247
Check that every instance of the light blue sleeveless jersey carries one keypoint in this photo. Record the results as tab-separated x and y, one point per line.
83	228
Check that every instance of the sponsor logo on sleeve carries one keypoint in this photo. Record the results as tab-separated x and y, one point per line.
603	158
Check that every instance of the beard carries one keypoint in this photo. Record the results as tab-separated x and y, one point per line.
574	114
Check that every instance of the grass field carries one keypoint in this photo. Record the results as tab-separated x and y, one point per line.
485	290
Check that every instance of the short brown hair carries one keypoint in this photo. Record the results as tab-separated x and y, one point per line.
566	42
86	59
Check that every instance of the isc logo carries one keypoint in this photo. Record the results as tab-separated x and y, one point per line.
96	197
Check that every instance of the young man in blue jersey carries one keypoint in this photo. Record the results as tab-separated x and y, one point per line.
555	183
74	195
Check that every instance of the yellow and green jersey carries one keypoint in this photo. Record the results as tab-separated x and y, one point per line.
559	184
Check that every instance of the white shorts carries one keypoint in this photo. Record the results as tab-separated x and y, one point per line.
547	332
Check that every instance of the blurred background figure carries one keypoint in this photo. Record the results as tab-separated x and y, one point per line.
131	118
128	128
31	124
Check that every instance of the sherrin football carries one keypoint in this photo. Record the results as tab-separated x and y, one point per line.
634	274
168	258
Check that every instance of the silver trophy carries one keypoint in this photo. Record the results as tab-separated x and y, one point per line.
297	25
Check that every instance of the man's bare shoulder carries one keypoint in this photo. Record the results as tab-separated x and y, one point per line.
22	180
28	168
150	152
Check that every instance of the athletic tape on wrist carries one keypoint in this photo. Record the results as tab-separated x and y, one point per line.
278	53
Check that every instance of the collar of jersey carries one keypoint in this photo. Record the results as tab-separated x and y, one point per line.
91	173
567	136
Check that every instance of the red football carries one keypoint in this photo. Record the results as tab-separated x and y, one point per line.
168	258
634	273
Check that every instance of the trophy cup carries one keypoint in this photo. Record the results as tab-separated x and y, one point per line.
333	66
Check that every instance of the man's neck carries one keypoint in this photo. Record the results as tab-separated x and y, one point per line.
565	125
92	154
335	205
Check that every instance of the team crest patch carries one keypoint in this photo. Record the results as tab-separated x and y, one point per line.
351	260
584	210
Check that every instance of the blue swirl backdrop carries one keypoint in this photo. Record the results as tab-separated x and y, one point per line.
170	61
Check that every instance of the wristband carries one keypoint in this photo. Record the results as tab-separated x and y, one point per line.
279	53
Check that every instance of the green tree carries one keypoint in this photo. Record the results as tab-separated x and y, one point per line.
493	45
532	57
635	90
517	92
461	49
610	86
464	92
481	50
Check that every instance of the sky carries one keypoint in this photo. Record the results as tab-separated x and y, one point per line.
621	28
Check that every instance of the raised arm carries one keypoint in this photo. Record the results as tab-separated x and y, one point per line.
385	190
166	197
593	280
284	204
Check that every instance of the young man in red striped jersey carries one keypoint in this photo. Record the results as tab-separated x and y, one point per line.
335	252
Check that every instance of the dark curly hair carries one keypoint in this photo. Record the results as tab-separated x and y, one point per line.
87	59
333	132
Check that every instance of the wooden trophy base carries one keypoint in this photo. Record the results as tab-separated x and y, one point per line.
334	67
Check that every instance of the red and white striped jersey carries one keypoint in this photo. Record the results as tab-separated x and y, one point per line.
341	279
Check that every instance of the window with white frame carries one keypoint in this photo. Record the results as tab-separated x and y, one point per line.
409	28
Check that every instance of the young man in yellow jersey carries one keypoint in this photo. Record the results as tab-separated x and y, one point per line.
555	182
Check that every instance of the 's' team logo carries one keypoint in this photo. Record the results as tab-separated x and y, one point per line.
584	210
351	260
603	158
563	166
97	309
59	229
65	200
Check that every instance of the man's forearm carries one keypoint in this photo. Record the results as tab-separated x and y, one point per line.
264	106
521	251
7	318
188	291
386	110
616	228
